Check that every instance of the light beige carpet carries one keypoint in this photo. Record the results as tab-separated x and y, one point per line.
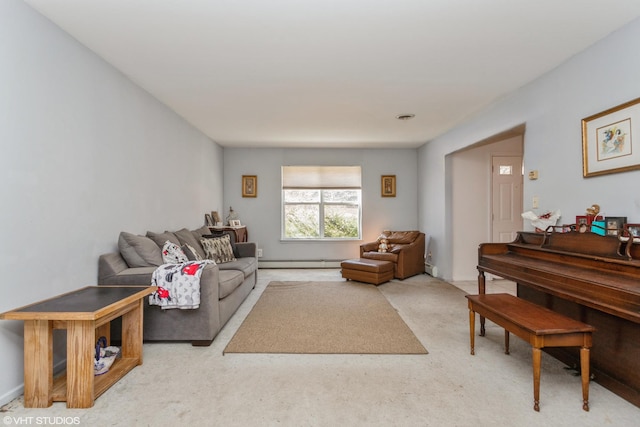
324	318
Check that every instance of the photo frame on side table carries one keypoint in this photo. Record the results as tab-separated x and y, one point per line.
388	186
249	186
607	143
235	223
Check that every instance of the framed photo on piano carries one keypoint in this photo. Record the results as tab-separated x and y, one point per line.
606	140
614	224
582	224
632	231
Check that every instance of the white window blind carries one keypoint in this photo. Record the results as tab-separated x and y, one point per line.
325	177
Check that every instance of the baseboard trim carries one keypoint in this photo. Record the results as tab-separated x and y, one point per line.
18	391
299	264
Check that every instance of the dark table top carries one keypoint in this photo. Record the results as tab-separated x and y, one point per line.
86	300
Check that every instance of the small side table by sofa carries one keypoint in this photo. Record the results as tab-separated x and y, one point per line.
85	314
242	235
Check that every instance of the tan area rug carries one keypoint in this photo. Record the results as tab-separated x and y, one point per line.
324	318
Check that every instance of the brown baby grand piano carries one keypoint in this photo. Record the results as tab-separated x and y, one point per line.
591	278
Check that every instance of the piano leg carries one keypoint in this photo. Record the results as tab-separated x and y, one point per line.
584	369
481	291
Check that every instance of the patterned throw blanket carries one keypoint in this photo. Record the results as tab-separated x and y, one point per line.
178	285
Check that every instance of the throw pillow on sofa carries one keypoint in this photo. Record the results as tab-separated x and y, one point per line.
202	231
191	253
139	251
186	237
172	254
161	238
218	249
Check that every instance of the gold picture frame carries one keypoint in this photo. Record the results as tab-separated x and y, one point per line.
388	186
607	143
249	186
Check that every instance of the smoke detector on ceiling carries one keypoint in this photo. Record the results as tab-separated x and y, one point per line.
405	116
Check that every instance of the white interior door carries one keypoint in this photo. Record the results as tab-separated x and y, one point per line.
506	194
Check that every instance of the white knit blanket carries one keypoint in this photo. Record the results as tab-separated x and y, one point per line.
178	285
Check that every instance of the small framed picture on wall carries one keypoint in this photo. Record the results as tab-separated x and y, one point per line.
388	186
249	186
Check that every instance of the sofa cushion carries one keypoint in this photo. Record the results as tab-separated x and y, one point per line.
397	248
186	237
246	265
139	251
403	237
202	231
229	280
191	253
161	238
218	249
173	254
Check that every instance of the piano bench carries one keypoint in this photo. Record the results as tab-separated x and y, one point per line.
365	270
537	325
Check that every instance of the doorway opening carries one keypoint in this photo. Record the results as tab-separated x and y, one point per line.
471	205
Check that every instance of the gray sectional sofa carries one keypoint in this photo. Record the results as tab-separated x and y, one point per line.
223	287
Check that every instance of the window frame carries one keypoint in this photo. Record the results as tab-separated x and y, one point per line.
322	204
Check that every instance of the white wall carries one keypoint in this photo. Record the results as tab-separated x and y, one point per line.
85	155
262	214
603	76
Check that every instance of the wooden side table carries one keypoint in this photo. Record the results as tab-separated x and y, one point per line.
242	235
85	314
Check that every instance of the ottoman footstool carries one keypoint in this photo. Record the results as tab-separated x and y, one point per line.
367	270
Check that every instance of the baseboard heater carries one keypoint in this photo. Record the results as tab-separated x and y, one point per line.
431	270
299	264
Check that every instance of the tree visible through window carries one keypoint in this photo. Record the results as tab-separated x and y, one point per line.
321	202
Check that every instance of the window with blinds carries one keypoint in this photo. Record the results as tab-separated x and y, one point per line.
321	202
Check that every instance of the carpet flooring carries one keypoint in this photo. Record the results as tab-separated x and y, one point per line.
181	385
324	318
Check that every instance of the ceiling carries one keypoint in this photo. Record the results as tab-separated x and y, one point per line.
333	73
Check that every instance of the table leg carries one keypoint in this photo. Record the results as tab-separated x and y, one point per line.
472	329
584	369
506	342
38	363
537	356
132	327
481	291
81	342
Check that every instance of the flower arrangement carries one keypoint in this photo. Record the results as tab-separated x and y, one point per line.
544	221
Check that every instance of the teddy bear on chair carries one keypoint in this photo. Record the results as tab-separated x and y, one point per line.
383	246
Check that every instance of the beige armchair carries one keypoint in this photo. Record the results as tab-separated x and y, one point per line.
405	250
